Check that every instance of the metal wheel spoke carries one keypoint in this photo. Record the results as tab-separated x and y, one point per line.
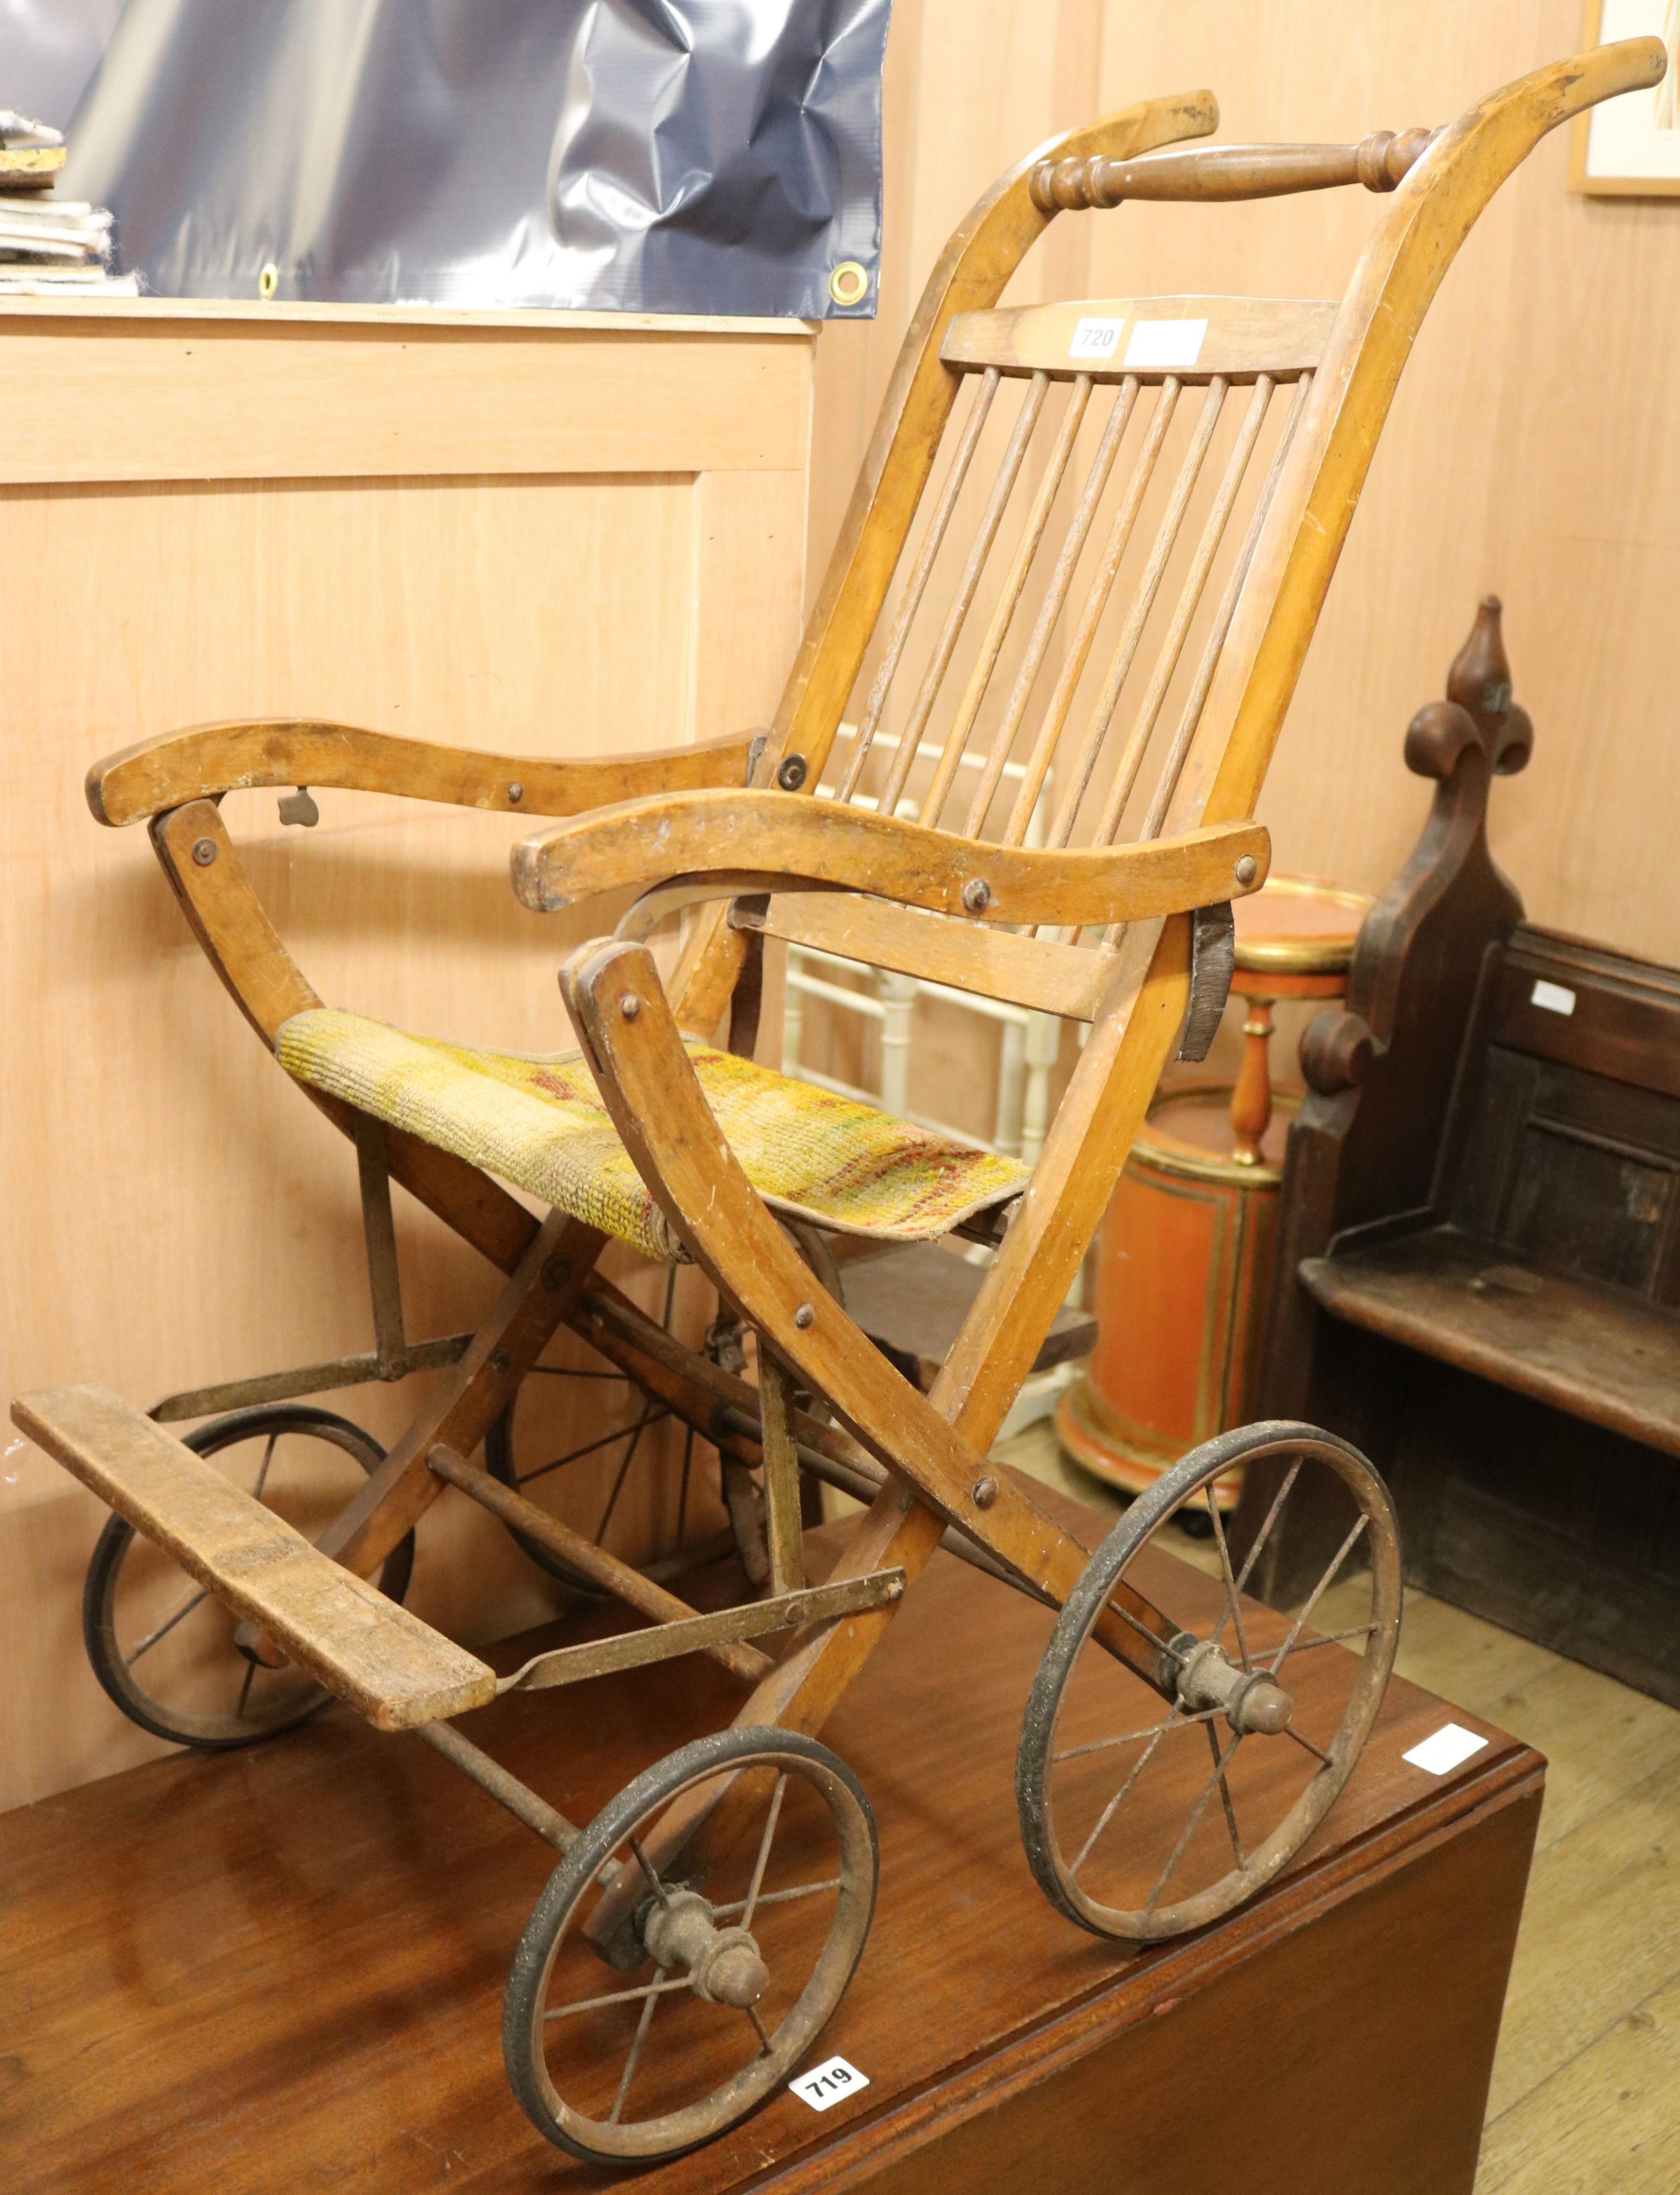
636	1434
1225	1796
1292	1732
263	1469
651	1873
1144	1631
1114	1805
758	2029
565	1372
575	1455
778	1897
763	1860
1230	1584
670	1299
167	1625
1272	1515
1322	1586
642	2027
618	1997
683	1488
1175	1721
1336	1638
244	1686
1188	1831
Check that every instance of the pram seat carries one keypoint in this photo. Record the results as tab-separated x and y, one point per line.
541	1123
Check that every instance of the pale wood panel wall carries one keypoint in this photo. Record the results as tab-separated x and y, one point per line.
175	1212
1533	450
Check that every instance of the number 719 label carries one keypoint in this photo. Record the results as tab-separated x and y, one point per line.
829	2084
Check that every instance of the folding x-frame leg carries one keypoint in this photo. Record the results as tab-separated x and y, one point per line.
619	1011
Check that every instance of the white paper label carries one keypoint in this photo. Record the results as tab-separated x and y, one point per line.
1446	1749
1096	339
1556	998
828	2084
1164	343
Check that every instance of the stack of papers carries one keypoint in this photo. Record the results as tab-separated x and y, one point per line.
48	246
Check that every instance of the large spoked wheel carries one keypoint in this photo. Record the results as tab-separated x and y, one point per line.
634	1499
631	1479
731	1986
172	1656
1148	1808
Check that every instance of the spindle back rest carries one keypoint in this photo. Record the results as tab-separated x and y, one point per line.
1101	387
1177	584
1211	763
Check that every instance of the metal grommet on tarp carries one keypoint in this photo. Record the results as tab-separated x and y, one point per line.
849	284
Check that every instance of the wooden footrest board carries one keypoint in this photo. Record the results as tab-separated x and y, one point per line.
391	1668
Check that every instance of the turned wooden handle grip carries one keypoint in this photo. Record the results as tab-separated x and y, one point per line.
1209	173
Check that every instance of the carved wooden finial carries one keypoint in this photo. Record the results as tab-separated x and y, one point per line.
1480	680
1478	711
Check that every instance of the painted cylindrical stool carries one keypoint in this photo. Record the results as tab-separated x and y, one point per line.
1187	1242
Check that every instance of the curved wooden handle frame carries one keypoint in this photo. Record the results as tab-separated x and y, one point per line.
1398	274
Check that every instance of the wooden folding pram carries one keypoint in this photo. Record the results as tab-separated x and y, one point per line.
1011	845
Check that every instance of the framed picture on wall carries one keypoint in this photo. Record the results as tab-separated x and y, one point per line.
1630	148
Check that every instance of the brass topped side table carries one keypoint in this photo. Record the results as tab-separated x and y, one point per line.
1186	1243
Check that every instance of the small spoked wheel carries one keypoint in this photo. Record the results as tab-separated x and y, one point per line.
173	1658
716	1992
1182	1741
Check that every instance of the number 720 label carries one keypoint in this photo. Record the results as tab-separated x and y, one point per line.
828	2084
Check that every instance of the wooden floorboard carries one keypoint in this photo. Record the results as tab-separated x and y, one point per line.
1586	2085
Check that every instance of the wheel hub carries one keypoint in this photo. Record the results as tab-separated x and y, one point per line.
724	1965
1254	1704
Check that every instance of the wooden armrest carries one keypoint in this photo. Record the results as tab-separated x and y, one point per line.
792	841
207	760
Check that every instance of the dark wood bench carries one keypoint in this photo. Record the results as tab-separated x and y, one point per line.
1478	1275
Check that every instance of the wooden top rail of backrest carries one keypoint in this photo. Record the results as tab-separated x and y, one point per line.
1215	173
1194	339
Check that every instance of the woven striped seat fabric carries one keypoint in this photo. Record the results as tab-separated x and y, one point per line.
541	1123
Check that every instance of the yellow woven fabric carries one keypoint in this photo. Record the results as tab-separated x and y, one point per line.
541	1124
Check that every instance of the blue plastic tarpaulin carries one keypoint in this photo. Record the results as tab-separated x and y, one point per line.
657	156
